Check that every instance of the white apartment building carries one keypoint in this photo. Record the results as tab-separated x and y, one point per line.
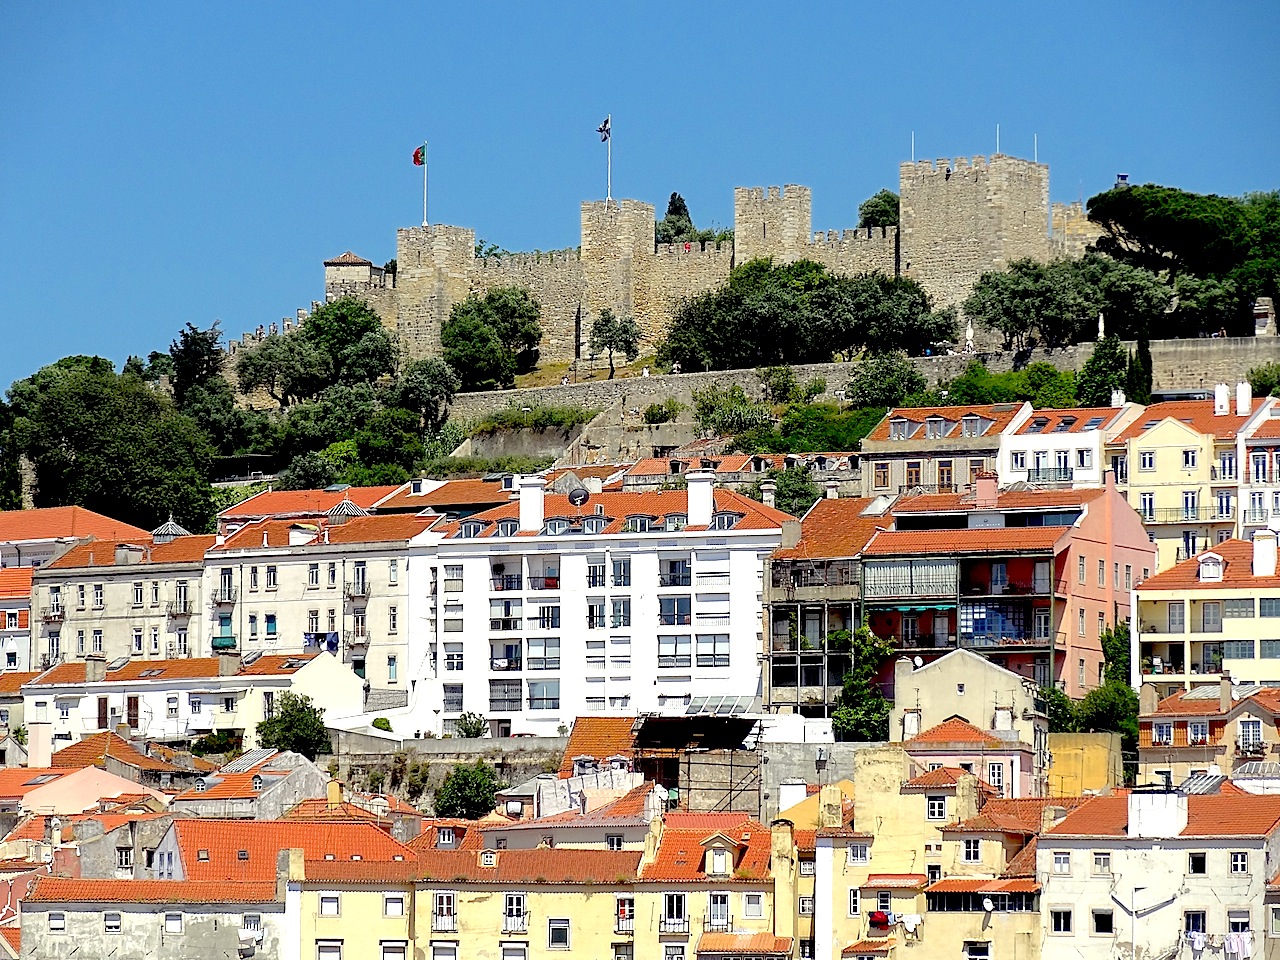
1062	447
179	699
550	607
1170	874
1258	453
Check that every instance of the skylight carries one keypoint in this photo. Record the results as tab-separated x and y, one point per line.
1094	423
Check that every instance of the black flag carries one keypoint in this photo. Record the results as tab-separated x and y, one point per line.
603	130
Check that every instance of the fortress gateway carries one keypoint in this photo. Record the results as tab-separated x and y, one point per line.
959	218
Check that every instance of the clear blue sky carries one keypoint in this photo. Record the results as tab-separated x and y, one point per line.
171	162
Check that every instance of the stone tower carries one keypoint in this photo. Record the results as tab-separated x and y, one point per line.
433	272
774	224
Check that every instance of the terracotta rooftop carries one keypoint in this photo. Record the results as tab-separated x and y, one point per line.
1237	571
896	881
1003	540
348	259
12	680
321	809
305	503
189	668
682	857
994	417
1015	500
102	553
941	777
93	751
873	945
1023	863
53	523
1268	429
15	583
1181	704
979	885
953	730
1208	815
13	937
1020	816
1196	414
834	528
221	842
379	528
19	781
69	890
747	944
553	865
597	737
1069	420
468	493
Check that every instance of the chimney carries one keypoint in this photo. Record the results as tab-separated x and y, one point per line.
1051	816
532	490
1264	553
95	668
791	531
830	806
1148	699
593	484
1117	398
55	832
1156	814
124	731
299	534
986	490
1244	398
220	540
39	741
1221	400
769	492
228	663
701	496
290	868
1226	693
833	489
333	793
791	792
782	860
127	553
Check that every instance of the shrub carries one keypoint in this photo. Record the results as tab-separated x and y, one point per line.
779	383
382	723
728	411
534	418
471	726
217	742
374	780
663	411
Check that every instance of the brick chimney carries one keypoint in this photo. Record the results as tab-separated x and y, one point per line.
986	490
228	663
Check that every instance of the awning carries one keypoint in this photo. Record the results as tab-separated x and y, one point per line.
896	881
978	885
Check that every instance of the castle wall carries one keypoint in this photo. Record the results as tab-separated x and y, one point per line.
434	265
857	251
554	279
1073	231
775	224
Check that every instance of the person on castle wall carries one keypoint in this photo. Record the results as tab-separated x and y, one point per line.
645	373
564	381
675	367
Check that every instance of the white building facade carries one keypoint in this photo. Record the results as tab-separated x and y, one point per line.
1062	447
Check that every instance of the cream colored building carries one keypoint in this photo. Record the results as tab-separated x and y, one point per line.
1205	730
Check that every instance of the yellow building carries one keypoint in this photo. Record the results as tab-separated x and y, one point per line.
1083	763
1195	731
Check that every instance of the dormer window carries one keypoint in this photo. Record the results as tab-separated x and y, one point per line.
508	528
201	785
724	521
1210	568
257	783
593	525
470	529
675	522
637	525
971	426
444	837
1037	425
717	862
508	482
675	467
934	427
488	858
897	429
415	487
557	526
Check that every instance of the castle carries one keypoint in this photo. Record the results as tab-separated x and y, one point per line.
959	218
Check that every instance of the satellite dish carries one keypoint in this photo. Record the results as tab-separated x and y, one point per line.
579	496
918	662
987	905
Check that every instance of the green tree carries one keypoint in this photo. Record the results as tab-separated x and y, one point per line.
195	360
1138	374
1103	372
10	470
427	387
381	723
469	791
474	347
883	380
879	210
677	225
307	471
350	339
1116	653
391	436
610	334
796	492
1112	708
1061	710
1265	379
297	725
288	368
863	713
471	726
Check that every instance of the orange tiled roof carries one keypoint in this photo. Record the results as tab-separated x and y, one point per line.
320	809
553	865
264	839
834	528
1180	705
466	834
1268	429
593	471
1023	863
954	730
464	493
51	523
11	680
13	937
941	777
966	541
1196	414
806	840
305	503
379	528
69	890
998	415
979	885
15	583
874	945
1208	815
681	856
190	668
1020	816
598	737
1067	420
348	259
1005	500
102	553
92	751
1237	571
17	781
896	881
755	944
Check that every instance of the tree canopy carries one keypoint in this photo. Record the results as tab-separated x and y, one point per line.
610	334
677	226
296	725
879	210
863	713
488	338
469	791
1106	370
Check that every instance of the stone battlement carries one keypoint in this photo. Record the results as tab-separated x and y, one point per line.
693	250
508	262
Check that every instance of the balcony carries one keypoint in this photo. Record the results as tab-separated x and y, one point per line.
679	660
675	579
674	619
506	582
625	925
200	721
500	704
544	703
547	622
1011	588
717	921
1182	514
504	664
1003	640
515	923
1251	748
596	579
1255	515
53	614
223	596
1050	475
544	583
595	621
909	488
504	624
357	637
225	642
673	924
355	589
544	663
179	609
444	923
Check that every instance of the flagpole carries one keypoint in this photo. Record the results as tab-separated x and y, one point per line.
608	194
424	183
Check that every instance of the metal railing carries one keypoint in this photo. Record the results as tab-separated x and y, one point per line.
674	619
502	624
676	579
223	596
509	581
625	925
180	608
504	664
444	923
515	923
1182	514
53	614
717	921
673	924
1050	474
544	583
595	621
1255	514
501	703
357	588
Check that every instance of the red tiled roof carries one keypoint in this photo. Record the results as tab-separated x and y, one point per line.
999	415
305	503
954	730
1208	815
594	471
1268	429
1020	816
16	781
379	528
1005	500
806	840
467	835
1181	705
1078	417
321	810
51	523
1237	571
190	668
941	777
755	944
1023	863
1196	414
264	839
875	945
681	856
457	493
92	751
15	583
102	553
979	885
13	937
546	865
598	737
966	541
11	680
896	881
834	528
69	890
348	259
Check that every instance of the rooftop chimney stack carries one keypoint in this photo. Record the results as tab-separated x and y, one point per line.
701	496
1264	553
1117	398
228	663
1221	400
1157	814
95	668
768	492
833	489
532	491
1226	693
986	490
1244	398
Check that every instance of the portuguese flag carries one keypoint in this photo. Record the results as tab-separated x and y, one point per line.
420	156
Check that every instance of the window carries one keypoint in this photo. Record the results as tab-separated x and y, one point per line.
393	906
1103	922
1128	576
313	621
124	858
544	694
937	808
453	658
621	612
393	619
1239	862
880	476
393	572
858	853
1237	650
173	923
1102	573
1062	861
753	905
855	901
933	872
57	922
395	951
1084	459
673	651
155	639
1193	921
328	950
171	706
1237	609
806	906
1250	732
1269	606
1198	731
913	473
111	922
226	579
329	905
544	653
253	624
269	624
1019	459
1146	459
393	668
1080	627
272	580
713	650
313	575
719	863
807	868
1080	575
1197	863
884	901
977	950
898	430
613	841
1269	649
137	639
673	906
1188	459
1060	921
622	571
1162	734
972	851
1147	506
